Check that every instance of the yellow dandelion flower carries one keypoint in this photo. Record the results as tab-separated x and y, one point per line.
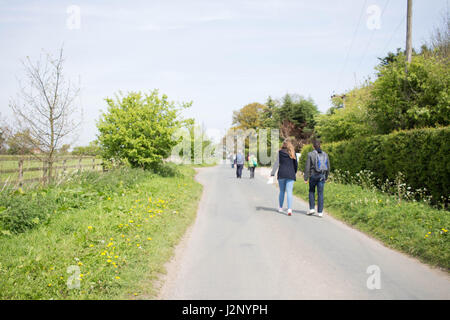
49	284
117	277
91	245
109	260
89	227
138	245
80	263
149	238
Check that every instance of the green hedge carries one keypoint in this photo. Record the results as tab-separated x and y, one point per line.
422	155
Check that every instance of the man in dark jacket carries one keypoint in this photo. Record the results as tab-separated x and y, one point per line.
316	171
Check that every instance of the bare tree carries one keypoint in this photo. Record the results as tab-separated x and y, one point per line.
5	133
46	106
440	38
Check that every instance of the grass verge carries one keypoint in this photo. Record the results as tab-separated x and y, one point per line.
411	227
109	247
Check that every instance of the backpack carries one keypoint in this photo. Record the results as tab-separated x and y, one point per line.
321	161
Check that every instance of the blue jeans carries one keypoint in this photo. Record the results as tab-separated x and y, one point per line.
319	182
286	185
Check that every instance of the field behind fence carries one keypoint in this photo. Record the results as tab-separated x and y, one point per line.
18	170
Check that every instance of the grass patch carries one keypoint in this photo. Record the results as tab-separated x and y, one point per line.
112	244
202	165
414	228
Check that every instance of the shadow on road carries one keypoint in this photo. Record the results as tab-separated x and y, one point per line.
276	211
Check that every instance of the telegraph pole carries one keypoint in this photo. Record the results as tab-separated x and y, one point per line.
409	34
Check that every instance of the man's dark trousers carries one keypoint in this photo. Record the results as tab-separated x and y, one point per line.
252	172
239	168
319	182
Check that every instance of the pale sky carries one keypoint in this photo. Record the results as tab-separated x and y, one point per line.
221	55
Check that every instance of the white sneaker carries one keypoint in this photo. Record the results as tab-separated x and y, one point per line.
280	210
320	214
312	211
289	212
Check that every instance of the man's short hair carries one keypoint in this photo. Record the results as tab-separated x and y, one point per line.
316	144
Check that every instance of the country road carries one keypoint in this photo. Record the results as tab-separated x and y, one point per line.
240	247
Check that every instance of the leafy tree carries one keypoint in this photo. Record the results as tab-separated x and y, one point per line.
419	98
138	128
93	149
270	115
347	122
198	143
249	117
64	149
298	110
20	143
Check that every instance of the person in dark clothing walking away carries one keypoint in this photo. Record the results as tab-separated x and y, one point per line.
286	164
317	170
239	164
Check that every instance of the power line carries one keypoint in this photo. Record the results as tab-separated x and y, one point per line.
392	34
352	42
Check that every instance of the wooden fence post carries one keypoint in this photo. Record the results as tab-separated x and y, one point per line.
93	164
20	178
44	171
79	164
64	167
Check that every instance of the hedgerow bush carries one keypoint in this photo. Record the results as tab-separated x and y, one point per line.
421	156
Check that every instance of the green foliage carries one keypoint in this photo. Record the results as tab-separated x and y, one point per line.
199	142
22	210
270	116
20	143
93	149
416	99
412	227
298	110
120	242
64	149
249	116
421	155
347	122
139	128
